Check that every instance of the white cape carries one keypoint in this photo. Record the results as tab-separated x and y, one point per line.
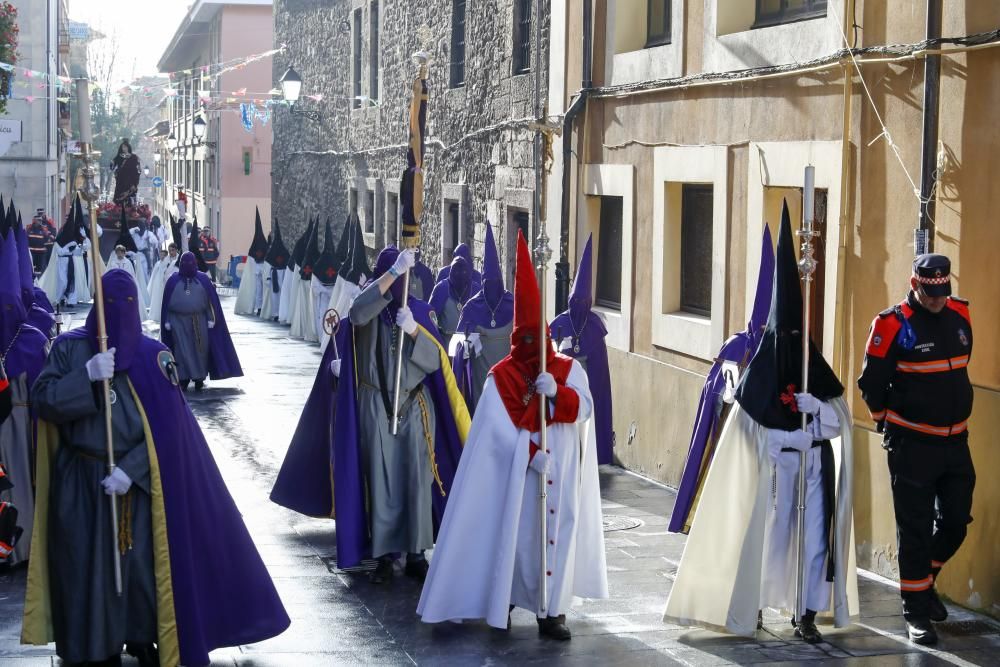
248	288
293	295
303	315
486	556
157	281
267	298
718	584
82	285
285	299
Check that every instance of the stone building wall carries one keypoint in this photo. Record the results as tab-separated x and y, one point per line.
478	151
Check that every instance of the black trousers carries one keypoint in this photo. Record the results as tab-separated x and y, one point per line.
932	485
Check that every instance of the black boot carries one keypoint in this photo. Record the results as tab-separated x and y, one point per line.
146	654
184	384
806	628
383	571
554	627
921	631
199	384
416	566
936	610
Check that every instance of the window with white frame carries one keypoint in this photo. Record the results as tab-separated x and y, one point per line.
644	40
689	241
657	22
608	186
775	12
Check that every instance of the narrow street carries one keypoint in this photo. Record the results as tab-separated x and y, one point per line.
338	617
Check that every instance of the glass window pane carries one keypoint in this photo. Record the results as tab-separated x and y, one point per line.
609	254
696	249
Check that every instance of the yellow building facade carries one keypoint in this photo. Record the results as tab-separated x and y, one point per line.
700	120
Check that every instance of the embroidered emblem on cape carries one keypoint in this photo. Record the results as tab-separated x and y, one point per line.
877	340
168	366
962	337
434	317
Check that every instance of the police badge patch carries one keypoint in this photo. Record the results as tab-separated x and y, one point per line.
963	338
168	366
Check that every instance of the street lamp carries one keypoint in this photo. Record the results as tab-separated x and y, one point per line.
145	172
291	88
172	140
200	126
157	157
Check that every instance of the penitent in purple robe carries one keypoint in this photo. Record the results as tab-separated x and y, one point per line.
579	333
739	349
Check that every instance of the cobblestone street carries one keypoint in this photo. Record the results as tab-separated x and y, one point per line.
338	617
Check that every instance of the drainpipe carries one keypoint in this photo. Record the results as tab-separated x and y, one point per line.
846	178
578	105
924	234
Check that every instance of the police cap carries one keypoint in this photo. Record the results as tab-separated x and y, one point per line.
933	272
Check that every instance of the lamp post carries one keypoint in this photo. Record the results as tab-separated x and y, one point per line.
291	88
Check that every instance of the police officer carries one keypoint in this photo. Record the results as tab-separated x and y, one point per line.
916	384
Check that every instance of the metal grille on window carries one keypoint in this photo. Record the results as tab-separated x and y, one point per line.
776	12
696	249
657	22
522	36
458	43
609	255
357	59
373	52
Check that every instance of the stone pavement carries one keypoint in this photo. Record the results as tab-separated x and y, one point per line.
339	618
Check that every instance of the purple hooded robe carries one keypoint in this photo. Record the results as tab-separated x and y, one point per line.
739	349
580	334
222	359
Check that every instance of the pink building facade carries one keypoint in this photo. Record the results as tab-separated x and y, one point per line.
225	174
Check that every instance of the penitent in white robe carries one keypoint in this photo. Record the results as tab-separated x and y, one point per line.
729	559
285	298
487	553
157	281
247	293
304	314
125	264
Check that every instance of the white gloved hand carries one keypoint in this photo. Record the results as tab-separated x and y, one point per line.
211	324
799	440
101	366
117	483
540	463
335	367
166	325
405	261
545	385
807	404
405	321
474	344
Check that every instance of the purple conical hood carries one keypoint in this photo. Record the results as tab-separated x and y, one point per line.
24	266
582	298
12	310
493	287
188	265
765	283
121	315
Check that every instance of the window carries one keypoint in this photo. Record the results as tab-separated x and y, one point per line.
247	161
352	202
197	176
657	22
457	43
609	254
370	214
453	227
522	36
373	37
523	222
696	249
357	59
392	218
775	12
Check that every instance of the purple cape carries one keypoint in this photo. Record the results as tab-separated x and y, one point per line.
325	451
223	362
738	349
223	594
595	351
27	354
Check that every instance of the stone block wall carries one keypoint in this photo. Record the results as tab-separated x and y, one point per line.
478	151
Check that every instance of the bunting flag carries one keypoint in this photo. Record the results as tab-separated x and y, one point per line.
411	190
